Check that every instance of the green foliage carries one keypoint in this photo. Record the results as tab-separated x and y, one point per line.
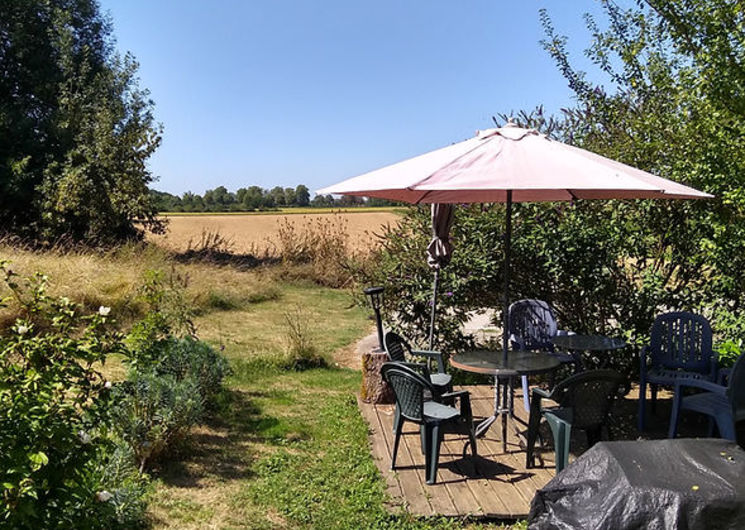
169	313
302	352
153	412
57	466
75	129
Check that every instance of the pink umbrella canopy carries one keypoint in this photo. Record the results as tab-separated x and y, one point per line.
530	164
510	164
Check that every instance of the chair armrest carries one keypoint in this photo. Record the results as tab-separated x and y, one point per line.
540	392
431	354
465	402
643	354
564	333
700	383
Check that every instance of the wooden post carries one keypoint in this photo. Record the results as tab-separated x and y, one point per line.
374	389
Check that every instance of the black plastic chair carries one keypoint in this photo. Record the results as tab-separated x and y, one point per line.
532	325
409	388
680	350
725	405
584	402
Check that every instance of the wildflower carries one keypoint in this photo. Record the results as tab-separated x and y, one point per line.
107	384
65	300
84	437
104	496
22	329
449	293
104	311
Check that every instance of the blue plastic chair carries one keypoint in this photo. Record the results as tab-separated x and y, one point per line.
725	405
680	350
409	387
531	326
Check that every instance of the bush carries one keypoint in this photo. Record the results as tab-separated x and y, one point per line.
152	412
301	350
188	358
55	457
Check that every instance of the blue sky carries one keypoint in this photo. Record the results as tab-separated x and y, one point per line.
284	92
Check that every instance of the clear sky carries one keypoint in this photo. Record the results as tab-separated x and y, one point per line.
287	92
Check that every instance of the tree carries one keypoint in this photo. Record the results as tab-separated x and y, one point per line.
75	129
277	195
302	195
290	197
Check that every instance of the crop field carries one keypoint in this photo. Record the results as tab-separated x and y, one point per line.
258	232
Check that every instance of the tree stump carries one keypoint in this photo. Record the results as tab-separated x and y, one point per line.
374	389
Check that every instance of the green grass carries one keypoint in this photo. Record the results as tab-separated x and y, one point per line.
291	211
285	449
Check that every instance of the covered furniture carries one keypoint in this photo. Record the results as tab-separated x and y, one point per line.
680	349
584	402
532	326
725	405
630	485
409	388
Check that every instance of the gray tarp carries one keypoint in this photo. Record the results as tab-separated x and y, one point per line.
660	484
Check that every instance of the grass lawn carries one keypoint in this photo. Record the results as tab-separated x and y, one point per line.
285	449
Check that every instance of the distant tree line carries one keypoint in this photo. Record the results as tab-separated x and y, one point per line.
254	198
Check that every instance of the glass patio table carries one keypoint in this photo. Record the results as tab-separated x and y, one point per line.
588	343
490	362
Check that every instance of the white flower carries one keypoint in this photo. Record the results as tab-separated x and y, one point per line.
107	384
22	329
65	300
84	437
104	496
104	311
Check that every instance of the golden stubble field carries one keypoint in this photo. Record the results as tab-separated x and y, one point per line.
252	233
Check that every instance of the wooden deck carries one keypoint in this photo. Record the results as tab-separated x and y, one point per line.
493	485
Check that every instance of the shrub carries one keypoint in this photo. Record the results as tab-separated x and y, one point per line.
188	358
152	412
55	456
301	350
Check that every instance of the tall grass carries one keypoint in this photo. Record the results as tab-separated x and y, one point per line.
113	278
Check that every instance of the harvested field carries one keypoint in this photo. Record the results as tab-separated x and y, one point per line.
251	233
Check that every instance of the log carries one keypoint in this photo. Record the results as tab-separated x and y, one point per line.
374	389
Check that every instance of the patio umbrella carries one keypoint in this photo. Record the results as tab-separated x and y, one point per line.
439	252
510	164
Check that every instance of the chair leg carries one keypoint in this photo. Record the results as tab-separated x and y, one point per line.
472	438
726	426
642	404
434	453
423	435
396	440
396	415
534	423
562	432
526	394
675	414
653	395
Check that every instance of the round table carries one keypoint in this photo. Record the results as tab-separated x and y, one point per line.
588	343
491	362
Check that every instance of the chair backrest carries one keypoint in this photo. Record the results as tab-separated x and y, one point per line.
682	340
396	346
532	325
736	389
408	387
590	396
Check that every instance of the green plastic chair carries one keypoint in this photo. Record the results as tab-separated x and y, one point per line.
400	351
584	402
409	388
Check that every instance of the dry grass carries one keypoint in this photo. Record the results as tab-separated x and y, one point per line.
114	278
260	233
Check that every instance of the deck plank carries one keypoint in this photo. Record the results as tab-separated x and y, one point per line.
494	484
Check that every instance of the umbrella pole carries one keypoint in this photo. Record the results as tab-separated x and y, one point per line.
434	304
507	243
